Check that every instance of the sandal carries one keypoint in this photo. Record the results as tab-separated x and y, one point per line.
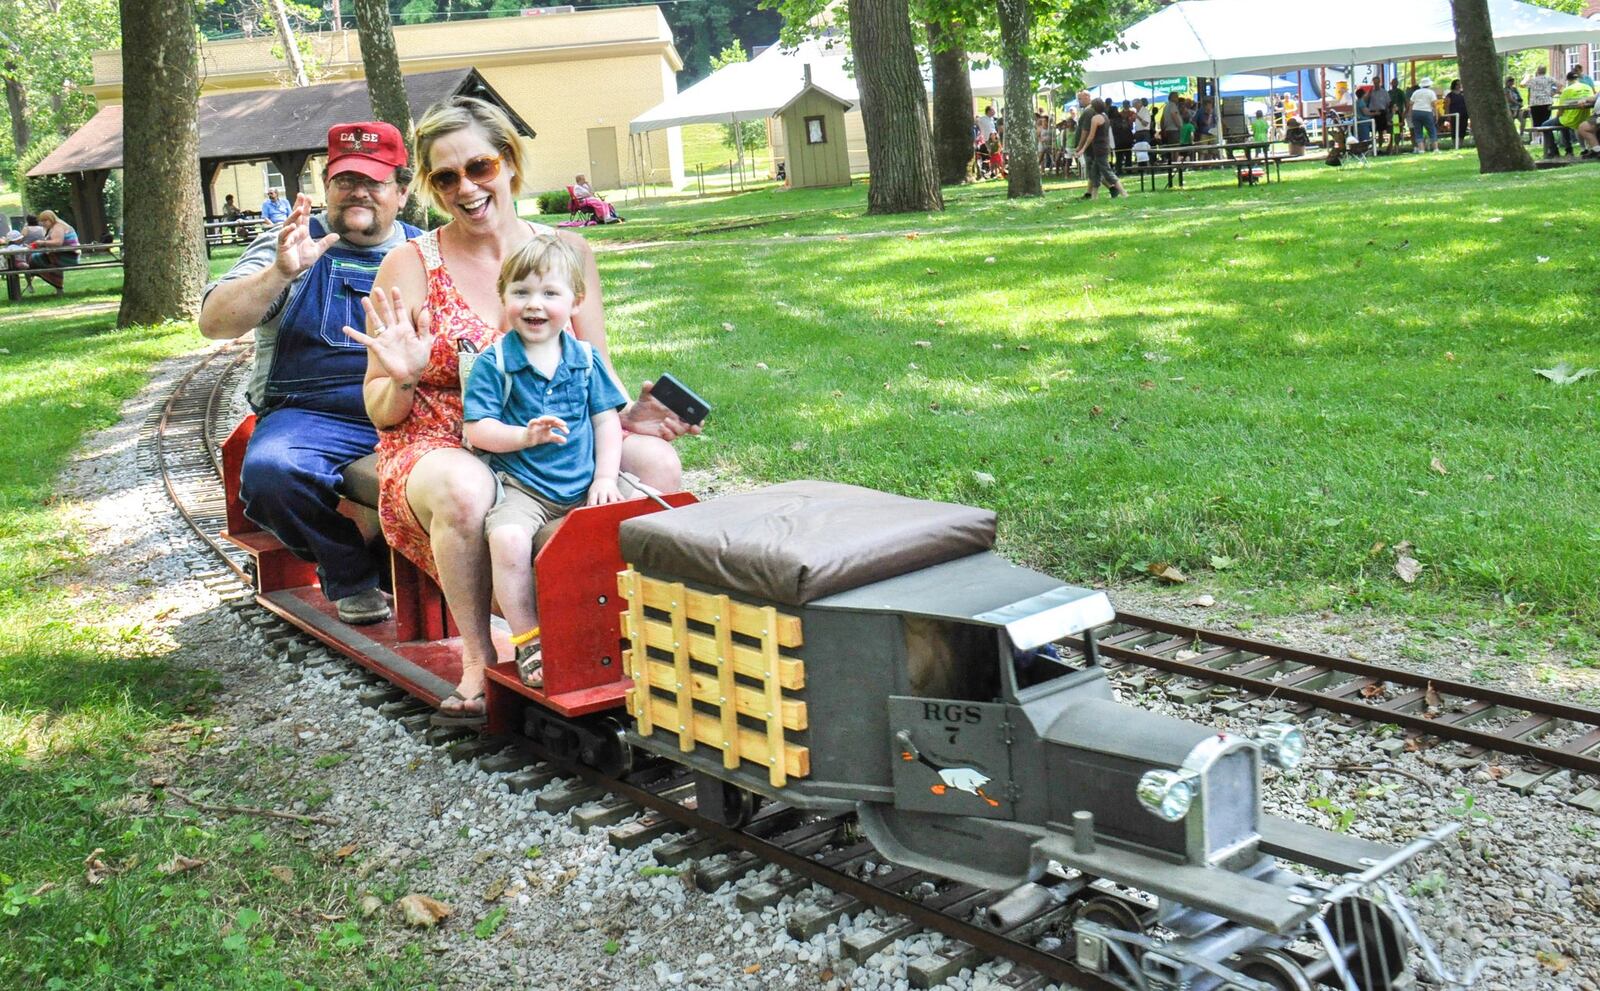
467	711
530	659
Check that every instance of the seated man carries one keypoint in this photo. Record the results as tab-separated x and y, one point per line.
297	287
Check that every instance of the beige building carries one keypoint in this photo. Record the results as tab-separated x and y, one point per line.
576	77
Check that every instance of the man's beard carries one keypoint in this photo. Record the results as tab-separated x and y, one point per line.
337	224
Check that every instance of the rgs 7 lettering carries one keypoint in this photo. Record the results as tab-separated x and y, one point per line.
951	712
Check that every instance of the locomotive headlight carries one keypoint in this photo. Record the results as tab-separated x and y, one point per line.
1168	794
1283	744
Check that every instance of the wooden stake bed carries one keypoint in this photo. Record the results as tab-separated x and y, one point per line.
667	685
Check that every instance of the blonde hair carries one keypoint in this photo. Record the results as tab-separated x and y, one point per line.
47	219
457	114
544	254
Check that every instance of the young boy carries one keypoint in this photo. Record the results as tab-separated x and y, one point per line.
546	411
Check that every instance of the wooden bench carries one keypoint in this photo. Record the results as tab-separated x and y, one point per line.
14	272
1245	169
221	232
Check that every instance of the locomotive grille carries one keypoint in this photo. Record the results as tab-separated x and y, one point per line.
1230	800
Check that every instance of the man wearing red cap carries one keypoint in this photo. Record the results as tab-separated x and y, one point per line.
296	287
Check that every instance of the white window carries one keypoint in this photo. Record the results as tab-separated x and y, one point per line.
1573	56
1594	60
274	177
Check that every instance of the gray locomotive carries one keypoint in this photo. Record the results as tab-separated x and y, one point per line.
839	648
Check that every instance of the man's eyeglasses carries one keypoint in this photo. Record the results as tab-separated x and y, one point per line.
348	183
480	170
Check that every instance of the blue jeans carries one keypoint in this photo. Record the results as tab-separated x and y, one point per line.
289	485
1424	127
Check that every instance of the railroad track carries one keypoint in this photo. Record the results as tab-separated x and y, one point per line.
655	800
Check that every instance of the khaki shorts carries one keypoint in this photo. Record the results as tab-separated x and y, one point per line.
518	505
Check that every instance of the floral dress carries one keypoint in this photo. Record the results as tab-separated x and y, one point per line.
435	420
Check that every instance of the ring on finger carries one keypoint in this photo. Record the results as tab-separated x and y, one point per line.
378	330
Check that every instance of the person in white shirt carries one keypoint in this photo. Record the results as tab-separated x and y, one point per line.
1141	151
1424	121
986	124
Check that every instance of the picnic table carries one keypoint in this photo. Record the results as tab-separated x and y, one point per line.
242	230
14	272
1256	160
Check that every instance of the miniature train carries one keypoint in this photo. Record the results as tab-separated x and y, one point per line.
841	649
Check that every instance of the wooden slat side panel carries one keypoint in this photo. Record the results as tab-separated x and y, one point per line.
726	688
639	694
748	701
746	660
748	620
796	760
769	655
680	666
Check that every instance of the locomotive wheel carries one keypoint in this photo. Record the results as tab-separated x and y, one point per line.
608	751
1274	968
723	801
1113	913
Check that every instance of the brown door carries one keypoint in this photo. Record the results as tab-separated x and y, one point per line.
603	170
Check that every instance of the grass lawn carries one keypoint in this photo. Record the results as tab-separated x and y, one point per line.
1269	388
705	146
86	702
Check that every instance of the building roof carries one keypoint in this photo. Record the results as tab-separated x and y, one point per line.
258	124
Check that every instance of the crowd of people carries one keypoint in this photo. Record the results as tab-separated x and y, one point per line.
517	305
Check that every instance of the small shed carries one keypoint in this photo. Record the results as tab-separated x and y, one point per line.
813	135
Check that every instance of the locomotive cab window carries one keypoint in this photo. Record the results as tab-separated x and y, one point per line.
948	660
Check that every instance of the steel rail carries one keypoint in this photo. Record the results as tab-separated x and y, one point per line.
1408	711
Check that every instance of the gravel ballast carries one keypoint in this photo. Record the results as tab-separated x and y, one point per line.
1522	874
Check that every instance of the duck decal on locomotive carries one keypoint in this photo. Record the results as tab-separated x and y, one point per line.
841	649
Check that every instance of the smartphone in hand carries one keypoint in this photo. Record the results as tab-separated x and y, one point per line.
679	398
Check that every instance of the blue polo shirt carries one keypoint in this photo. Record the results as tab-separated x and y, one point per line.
562	472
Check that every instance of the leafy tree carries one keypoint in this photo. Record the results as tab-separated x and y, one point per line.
45	63
894	109
385	86
750	134
165	258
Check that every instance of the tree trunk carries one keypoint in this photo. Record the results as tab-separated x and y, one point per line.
291	51
17	104
894	109
386	87
1499	145
164	244
952	104
1021	140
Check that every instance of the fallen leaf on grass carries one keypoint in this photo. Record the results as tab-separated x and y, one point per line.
922	344
1404	547
1147	384
41	889
369	906
938	323
929	271
1096	410
1563	373
284	874
727	326
1220	562
911	236
1438	466
346	850
983	478
1168	573
989	260
1377	547
1201	602
1541	259
178	864
95	870
1408	568
422	911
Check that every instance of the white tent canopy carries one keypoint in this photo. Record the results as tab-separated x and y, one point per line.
1218	37
759	88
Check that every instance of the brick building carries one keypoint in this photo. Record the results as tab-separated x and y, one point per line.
1564	57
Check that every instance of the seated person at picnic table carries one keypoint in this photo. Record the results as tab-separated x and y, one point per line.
1577	99
585	198
546	411
1589	130
58	234
275	208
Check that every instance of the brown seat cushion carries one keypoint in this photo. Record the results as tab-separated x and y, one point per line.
360	481
800	541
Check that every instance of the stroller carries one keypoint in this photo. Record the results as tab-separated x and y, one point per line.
1344	146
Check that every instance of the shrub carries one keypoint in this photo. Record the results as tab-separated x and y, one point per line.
52	192
554	201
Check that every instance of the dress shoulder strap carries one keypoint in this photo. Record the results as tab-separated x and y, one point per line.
428	247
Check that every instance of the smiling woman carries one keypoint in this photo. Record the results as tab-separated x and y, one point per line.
434	495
